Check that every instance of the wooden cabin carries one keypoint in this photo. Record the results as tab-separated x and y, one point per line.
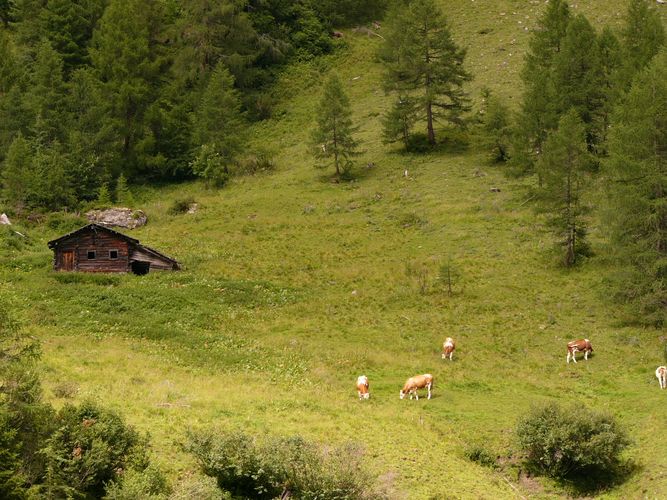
98	249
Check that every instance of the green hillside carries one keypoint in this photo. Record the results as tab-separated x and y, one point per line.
294	285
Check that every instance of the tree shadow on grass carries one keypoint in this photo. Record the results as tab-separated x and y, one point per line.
593	482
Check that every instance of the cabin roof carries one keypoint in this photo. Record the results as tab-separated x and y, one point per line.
98	227
90	227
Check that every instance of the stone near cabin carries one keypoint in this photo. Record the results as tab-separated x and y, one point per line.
118	217
4	220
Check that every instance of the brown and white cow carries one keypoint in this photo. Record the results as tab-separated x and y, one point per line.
362	387
661	373
582	345
448	348
417	382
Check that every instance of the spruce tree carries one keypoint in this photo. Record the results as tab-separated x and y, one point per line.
637	193
397	123
123	194
127	58
218	120
47	94
539	113
564	167
578	77
422	61
333	136
642	37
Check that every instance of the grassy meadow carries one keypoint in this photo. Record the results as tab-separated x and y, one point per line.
294	285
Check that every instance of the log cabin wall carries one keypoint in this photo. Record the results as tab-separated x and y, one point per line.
105	247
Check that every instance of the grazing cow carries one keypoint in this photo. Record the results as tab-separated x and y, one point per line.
362	387
661	373
576	346
448	348
417	382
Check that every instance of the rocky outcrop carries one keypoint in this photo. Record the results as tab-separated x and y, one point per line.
4	220
118	217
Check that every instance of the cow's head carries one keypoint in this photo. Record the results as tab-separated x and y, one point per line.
402	394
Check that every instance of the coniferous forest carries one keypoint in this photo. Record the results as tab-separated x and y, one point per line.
511	216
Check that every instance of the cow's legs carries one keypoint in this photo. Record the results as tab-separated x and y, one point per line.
586	355
429	391
568	357
451	354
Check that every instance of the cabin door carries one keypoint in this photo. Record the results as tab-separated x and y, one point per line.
68	260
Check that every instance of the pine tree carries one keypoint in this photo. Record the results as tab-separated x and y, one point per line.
68	25
539	114
609	49
123	194
422	61
496	127
35	175
564	167
104	196
46	95
333	136
399	120
637	189
219	120
578	77
642	37
126	57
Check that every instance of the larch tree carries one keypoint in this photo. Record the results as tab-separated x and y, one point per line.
564	167
423	62
641	39
127	60
636	212
539	114
578	78
333	136
399	120
218	127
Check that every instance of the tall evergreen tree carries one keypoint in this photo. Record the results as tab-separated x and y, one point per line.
539	114
333	136
423	62
68	25
218	120
399	120
45	97
564	167
637	188
642	37
578	77
127	58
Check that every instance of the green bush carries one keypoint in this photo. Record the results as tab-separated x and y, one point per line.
90	447
480	455
569	442
64	222
252	468
147	484
181	206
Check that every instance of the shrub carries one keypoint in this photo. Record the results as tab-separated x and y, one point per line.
565	442
251	468
91	446
418	143
479	454
147	484
13	238
181	205
64	222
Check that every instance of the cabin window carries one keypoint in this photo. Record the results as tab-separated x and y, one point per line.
91	254
113	254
